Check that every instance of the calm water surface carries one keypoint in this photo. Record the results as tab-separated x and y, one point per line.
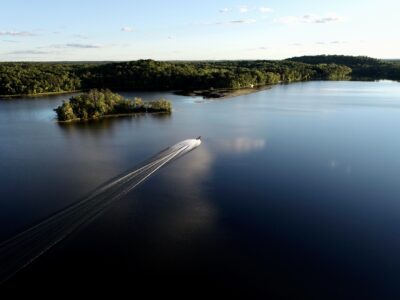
295	191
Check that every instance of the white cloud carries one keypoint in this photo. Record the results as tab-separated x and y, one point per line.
242	21
127	29
77	45
326	19
309	18
336	42
243	9
16	33
264	9
258	48
238	21
28	52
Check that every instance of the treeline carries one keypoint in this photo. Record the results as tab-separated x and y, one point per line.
96	104
37	78
149	74
362	66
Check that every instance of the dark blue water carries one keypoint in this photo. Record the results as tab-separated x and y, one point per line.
294	192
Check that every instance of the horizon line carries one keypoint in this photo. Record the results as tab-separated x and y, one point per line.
184	60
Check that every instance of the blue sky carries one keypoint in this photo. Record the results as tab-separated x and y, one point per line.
186	30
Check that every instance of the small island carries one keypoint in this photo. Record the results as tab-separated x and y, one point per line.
96	104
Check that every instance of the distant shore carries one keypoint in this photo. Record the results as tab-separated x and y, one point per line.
206	94
209	79
222	93
40	94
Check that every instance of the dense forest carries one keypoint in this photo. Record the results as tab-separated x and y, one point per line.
38	78
96	104
361	66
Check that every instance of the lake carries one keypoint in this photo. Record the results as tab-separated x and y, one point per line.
295	191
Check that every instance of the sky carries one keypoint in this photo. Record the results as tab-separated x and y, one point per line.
119	30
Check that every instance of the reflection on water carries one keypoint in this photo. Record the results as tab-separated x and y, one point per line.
108	124
294	191
196	211
241	144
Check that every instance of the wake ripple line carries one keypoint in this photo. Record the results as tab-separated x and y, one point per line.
22	249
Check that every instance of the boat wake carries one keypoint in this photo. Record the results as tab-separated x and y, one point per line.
24	248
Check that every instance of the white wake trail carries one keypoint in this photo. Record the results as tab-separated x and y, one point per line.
24	248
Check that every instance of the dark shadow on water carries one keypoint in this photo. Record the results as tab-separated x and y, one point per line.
108	124
160	117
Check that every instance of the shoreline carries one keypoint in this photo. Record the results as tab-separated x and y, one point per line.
222	93
78	120
39	94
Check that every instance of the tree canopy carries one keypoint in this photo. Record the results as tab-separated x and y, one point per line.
362	66
37	78
96	104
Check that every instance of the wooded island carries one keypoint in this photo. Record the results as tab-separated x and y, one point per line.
97	104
